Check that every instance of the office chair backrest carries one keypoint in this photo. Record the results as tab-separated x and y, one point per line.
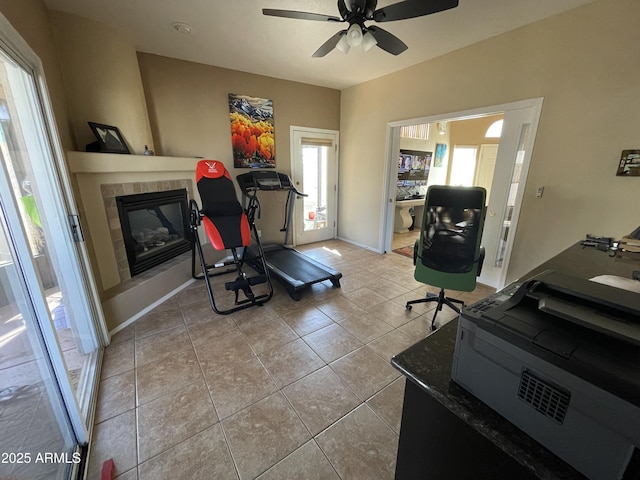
224	220
449	246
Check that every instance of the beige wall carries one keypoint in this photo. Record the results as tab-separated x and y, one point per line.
189	114
91	71
31	19
74	53
101	80
583	62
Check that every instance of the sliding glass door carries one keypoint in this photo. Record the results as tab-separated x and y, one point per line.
49	317
33	417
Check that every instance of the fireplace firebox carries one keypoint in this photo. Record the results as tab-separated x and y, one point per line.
155	227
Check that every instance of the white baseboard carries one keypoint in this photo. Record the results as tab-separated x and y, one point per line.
361	245
147	309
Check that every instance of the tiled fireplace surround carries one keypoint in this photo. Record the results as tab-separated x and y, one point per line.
101	177
111	191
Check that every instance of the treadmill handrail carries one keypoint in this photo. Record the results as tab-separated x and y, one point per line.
298	192
293	191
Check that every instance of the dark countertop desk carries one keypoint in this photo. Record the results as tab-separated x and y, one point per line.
447	433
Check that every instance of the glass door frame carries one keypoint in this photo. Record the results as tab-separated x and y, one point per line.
323	135
24	279
60	200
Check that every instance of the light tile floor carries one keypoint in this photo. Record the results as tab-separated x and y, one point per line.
287	390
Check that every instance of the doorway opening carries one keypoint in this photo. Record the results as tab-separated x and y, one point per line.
451	151
462	148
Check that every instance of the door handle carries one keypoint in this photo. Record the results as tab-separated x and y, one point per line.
76	228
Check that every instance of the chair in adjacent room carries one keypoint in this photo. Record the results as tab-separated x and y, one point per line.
448	254
228	227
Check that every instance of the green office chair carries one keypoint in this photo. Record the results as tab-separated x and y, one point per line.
448	254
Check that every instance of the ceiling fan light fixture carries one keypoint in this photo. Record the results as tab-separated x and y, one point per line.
356	13
368	41
343	44
354	35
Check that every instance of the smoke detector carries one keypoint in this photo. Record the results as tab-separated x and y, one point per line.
180	27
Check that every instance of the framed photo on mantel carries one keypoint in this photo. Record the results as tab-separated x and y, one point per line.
109	139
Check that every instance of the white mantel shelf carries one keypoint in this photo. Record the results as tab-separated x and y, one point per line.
90	162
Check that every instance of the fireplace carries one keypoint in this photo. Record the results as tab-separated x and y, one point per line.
155	227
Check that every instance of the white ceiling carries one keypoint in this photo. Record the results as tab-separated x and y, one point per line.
234	34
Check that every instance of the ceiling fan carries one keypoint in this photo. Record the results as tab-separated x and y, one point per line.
356	12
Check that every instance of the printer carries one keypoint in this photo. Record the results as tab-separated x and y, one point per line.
559	357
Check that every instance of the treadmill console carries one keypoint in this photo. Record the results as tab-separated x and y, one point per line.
263	180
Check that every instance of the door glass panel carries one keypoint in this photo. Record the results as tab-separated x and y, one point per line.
26	159
32	417
314	179
313	169
511	199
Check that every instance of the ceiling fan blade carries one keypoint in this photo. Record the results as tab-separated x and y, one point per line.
387	41
329	44
412	9
300	15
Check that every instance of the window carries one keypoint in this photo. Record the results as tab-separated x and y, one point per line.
495	129
463	166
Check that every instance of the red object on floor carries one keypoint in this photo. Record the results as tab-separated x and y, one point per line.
107	470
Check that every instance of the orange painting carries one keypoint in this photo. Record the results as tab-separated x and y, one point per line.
252	132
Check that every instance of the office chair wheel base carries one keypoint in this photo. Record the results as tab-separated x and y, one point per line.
408	307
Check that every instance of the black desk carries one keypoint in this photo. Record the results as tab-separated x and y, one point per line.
447	433
587	262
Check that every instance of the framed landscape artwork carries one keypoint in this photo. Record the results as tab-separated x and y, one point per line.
252	132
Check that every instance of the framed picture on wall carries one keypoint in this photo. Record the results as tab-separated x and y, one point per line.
252	131
441	152
629	165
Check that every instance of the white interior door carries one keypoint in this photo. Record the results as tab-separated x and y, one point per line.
507	188
486	167
314	170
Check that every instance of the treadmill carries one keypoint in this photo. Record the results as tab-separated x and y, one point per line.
293	269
